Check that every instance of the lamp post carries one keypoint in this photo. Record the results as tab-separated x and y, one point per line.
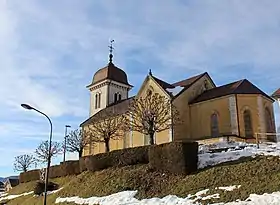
28	107
64	151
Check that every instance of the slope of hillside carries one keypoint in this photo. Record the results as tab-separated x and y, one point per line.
255	175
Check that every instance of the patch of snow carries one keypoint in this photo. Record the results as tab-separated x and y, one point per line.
229	188
203	192
213	196
206	159
9	197
3	194
128	198
52	192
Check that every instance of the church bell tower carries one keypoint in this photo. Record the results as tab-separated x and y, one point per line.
109	86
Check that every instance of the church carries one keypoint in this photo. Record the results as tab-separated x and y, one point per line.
208	112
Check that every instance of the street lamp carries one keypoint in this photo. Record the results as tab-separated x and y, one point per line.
28	107
64	152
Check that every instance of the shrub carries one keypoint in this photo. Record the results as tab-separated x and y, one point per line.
70	168
56	171
117	158
40	187
174	157
31	175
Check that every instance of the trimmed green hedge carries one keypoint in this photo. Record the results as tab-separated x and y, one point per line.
117	158
28	176
174	157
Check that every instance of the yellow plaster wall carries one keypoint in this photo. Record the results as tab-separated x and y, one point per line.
201	117
183	131
267	103
246	101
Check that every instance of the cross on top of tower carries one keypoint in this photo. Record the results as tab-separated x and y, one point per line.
111	51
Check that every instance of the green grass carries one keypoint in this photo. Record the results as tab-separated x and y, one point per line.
259	175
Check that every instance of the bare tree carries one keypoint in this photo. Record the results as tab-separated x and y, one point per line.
109	126
152	113
42	152
77	141
23	162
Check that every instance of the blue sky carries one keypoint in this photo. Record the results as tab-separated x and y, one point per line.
49	51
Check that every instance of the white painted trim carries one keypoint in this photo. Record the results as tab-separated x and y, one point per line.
233	115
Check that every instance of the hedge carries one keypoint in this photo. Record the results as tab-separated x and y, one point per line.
174	157
71	167
31	175
116	158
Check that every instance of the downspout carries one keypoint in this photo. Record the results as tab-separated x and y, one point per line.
237	113
172	127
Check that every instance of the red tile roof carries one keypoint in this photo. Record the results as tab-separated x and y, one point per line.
189	81
276	94
162	83
238	87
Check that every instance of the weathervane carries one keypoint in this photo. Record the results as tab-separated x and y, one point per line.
111	51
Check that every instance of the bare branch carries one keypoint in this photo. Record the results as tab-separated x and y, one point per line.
42	152
76	141
23	162
109	126
154	113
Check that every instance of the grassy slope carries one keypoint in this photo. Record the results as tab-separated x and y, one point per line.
258	175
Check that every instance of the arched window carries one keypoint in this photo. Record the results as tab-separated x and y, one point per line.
96	100
120	97
268	121
99	99
248	123
116	97
214	125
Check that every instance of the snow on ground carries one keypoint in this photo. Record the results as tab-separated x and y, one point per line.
127	198
234	152
9	197
229	188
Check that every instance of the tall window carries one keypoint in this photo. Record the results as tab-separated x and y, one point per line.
268	121
97	100
248	123
117	97
214	125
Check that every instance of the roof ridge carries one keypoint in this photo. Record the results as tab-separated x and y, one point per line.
198	75
239	82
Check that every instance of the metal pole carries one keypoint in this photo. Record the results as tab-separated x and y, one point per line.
28	107
64	151
49	157
65	140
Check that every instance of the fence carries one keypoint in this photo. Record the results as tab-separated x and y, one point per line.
267	137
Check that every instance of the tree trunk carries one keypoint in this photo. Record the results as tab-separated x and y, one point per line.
80	153
151	134
107	146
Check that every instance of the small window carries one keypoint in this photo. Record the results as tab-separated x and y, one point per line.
206	85
214	125
120	97
248	123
